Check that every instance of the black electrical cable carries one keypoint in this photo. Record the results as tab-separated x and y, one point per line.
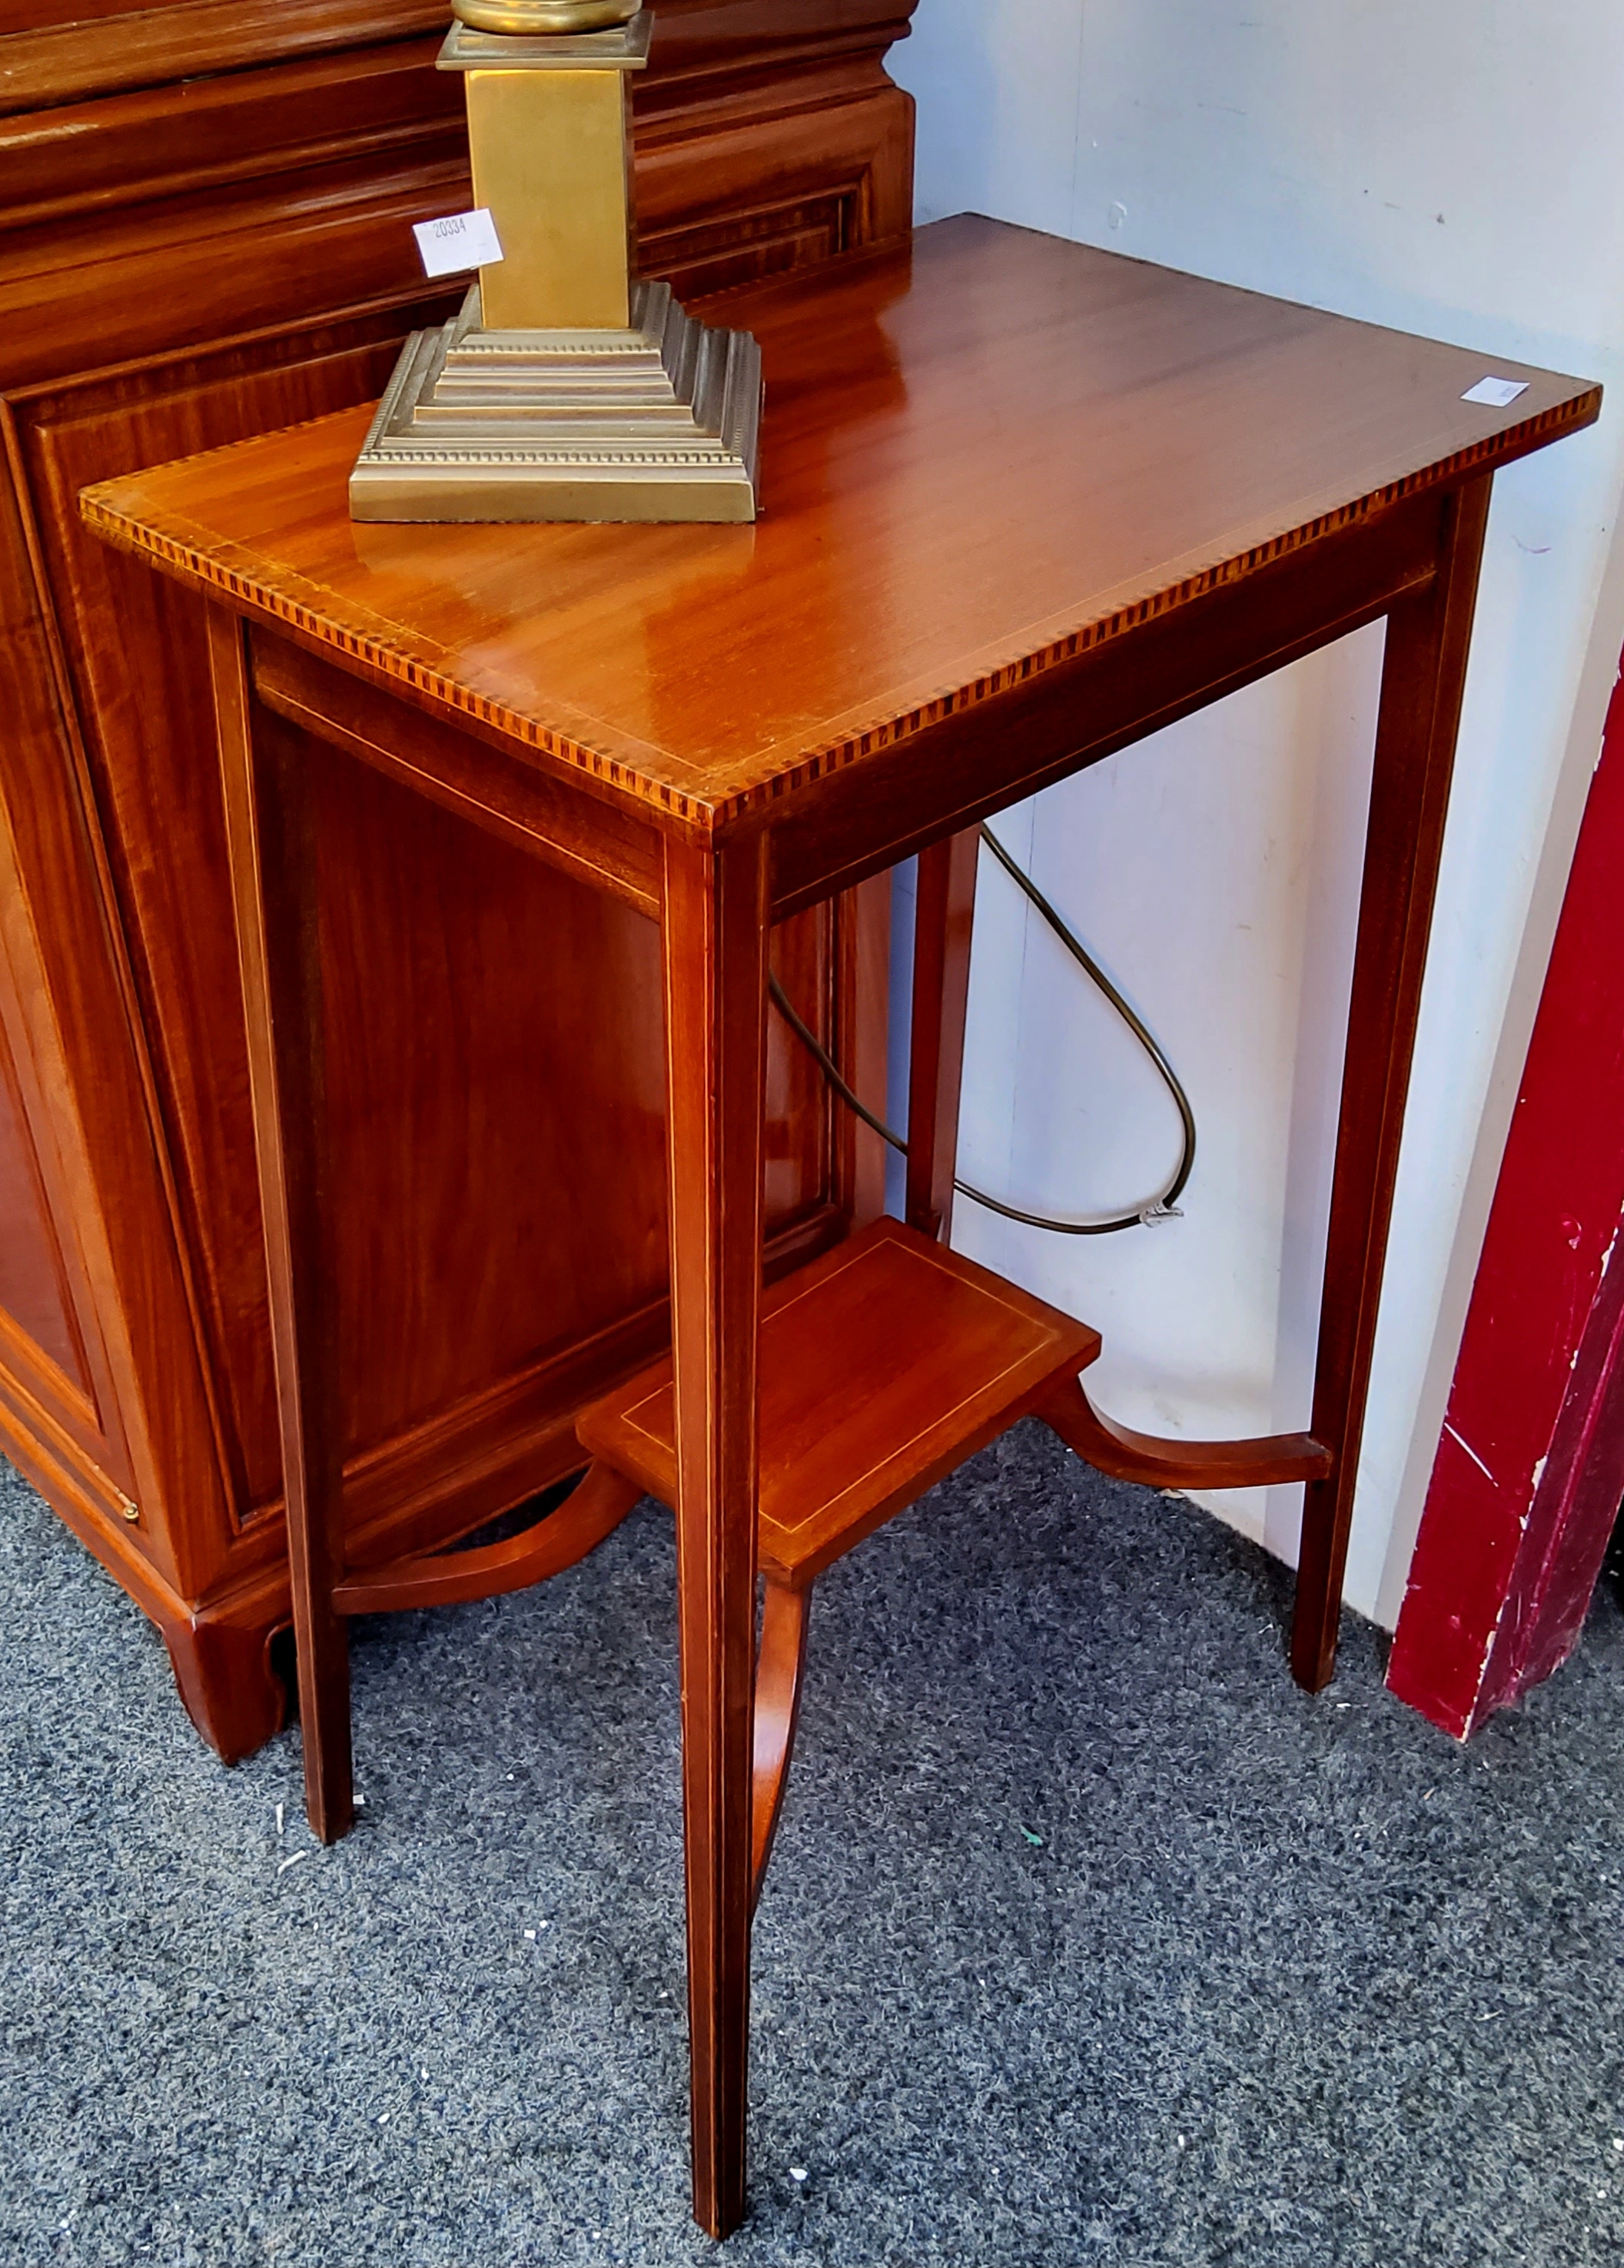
1160	1208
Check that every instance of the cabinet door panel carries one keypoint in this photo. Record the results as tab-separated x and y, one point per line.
33	1292
495	1076
496	1097
136	653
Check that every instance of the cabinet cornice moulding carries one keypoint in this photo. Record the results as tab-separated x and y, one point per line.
68	62
44	67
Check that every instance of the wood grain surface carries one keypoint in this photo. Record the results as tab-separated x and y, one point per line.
980	457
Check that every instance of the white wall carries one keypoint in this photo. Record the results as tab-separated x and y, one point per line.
1454	168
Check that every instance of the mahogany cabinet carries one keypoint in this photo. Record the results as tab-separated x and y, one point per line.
208	212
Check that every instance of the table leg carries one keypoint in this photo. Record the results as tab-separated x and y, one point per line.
1423	676
715	933
271	848
862	1018
944	910
780	1667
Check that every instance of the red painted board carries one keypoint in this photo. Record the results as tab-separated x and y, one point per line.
1531	1464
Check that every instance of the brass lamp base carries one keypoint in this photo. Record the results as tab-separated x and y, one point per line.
661	421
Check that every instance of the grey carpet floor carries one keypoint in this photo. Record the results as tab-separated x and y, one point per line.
1089	1939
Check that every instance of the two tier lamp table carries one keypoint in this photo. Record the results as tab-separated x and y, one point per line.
1022	503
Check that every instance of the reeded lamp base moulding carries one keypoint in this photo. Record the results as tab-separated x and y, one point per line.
661	421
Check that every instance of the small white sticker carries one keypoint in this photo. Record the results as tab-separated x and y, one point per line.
461	240
1493	392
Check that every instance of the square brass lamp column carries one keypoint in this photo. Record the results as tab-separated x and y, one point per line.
565	389
548	151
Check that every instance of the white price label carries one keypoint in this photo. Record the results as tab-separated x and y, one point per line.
461	240
1495	393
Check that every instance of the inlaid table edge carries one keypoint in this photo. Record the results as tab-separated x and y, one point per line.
578	748
277	599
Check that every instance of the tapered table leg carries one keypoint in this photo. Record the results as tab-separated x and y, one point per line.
1423	676
715	951
944	912
270	841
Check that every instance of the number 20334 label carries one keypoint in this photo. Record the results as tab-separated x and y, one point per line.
458	241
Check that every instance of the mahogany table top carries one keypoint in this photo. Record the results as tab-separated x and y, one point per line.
981	452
